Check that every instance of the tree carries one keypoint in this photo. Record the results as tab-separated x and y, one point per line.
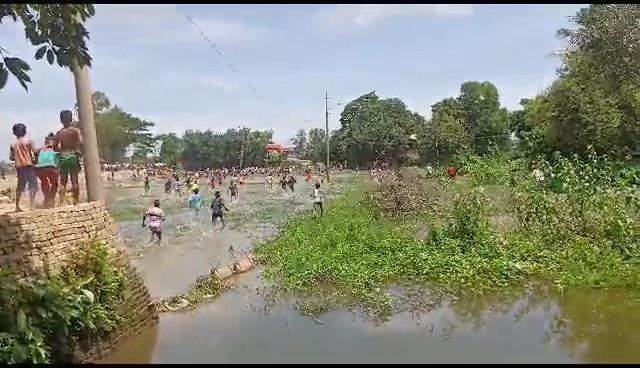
299	143
170	148
447	130
486	122
373	128
596	99
57	30
214	150
275	159
118	130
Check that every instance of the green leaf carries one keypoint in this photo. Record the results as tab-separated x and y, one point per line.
50	57
14	63
40	53
4	75
21	320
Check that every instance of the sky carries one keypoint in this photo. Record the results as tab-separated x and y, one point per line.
154	63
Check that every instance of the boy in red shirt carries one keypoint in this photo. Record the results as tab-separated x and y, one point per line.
451	171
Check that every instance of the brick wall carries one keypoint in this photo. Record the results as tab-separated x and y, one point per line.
49	239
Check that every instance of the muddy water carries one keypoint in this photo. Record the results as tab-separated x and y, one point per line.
239	328
235	329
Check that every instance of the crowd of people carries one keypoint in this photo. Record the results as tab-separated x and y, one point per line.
178	183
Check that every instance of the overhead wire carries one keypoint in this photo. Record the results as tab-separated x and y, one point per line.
233	69
254	90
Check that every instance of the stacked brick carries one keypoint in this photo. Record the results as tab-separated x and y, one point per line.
51	238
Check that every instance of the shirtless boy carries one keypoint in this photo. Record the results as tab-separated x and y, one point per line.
68	141
22	153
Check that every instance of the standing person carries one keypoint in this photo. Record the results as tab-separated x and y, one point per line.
270	182
68	142
147	184
195	203
47	171
177	186
167	186
22	153
318	199
153	219
233	190
217	210
451	171
291	182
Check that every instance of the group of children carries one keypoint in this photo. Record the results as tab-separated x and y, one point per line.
154	217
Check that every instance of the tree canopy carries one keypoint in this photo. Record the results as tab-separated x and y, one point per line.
593	103
56	30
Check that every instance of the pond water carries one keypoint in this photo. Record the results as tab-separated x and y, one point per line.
597	327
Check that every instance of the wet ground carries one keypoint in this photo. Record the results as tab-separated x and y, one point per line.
239	327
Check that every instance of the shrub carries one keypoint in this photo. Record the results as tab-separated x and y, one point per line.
48	316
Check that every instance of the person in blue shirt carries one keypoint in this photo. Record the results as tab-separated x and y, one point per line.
195	203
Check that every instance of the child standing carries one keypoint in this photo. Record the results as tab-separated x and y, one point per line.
47	171
195	203
154	218
22	153
233	190
318	199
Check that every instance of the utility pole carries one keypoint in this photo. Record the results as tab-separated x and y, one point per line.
90	153
326	131
244	138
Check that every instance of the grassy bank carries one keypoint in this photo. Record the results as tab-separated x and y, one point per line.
488	231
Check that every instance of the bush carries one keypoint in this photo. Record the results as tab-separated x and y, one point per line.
584	237
47	317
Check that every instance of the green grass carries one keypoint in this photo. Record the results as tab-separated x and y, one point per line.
352	255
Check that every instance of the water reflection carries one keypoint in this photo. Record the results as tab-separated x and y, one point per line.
522	327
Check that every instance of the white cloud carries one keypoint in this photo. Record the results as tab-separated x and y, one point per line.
367	15
166	24
216	82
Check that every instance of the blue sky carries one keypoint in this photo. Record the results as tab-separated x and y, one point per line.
153	62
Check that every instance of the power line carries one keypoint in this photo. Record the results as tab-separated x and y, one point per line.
233	69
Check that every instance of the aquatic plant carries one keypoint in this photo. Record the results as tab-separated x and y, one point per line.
48	316
357	254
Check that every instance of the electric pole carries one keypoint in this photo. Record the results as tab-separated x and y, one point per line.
326	131
244	138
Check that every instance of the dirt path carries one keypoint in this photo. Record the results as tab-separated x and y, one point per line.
191	248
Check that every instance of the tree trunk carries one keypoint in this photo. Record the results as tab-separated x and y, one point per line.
90	154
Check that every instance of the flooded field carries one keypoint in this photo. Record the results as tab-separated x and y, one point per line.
243	327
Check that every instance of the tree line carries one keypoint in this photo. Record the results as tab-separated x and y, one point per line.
593	103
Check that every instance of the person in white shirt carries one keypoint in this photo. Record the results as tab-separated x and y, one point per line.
318	199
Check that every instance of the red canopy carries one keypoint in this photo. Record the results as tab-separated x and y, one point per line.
275	147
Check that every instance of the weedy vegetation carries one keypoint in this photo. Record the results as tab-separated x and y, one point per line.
49	316
492	229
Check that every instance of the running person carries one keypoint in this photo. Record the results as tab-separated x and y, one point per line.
195	203
217	210
154	218
68	142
